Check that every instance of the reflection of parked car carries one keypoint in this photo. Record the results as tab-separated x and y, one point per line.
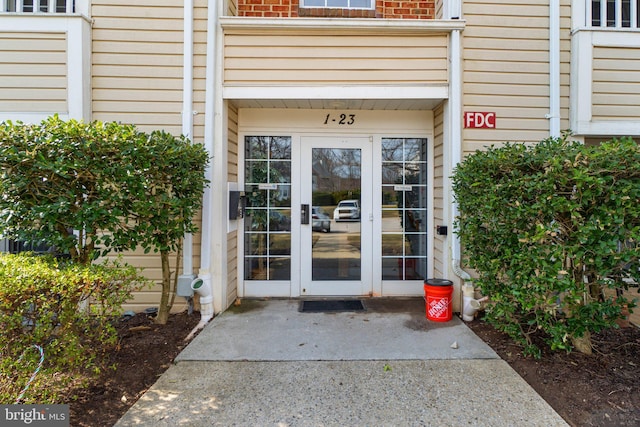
321	221
347	209
279	222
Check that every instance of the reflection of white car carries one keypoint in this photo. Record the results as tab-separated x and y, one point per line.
321	221
347	209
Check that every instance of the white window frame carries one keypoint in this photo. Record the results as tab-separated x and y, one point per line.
371	6
582	44
78	34
633	14
18	6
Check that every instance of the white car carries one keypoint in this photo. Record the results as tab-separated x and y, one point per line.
321	221
347	210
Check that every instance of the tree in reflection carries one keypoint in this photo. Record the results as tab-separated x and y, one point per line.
336	171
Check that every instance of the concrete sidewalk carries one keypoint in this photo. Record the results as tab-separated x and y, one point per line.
266	364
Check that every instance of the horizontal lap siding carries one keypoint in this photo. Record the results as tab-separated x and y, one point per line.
506	70
232	176
339	59
137	63
438	192
565	62
33	72
199	88
616	83
137	77
151	269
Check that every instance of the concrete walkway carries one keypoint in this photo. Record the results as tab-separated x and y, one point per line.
266	364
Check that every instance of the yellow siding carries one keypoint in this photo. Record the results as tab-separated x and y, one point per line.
137	69
152	269
565	62
438	191
232	8
301	58
199	64
616	83
232	271
137	63
232	160
232	238
506	70
33	72
197	239
439	9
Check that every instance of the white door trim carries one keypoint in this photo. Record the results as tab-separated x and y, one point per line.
309	123
308	286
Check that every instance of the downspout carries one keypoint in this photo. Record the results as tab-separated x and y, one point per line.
554	68
187	120
455	106
469	305
202	285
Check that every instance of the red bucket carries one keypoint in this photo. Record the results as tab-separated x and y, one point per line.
437	295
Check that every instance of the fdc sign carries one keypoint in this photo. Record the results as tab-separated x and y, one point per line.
476	119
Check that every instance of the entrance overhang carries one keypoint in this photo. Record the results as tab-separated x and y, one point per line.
338	97
332	64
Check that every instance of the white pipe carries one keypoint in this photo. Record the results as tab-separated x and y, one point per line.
219	181
469	308
202	286
187	115
206	306
455	105
554	68
209	107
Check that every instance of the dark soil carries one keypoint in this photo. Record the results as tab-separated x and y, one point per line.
602	389
145	350
598	390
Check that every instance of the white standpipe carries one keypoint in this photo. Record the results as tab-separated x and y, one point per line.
202	287
470	305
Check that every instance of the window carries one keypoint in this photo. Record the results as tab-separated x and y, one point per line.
615	13
38	248
38	6
267	253
404	208
339	4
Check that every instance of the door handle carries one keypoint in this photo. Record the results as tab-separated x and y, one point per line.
304	214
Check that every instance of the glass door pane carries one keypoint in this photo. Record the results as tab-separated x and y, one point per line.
267	233
336	242
404	208
336	182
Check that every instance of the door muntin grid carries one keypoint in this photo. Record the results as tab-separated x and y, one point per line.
267	226
404	208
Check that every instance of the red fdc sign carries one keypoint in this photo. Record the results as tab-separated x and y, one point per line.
476	119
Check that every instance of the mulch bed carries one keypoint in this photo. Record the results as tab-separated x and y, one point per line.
145	350
602	389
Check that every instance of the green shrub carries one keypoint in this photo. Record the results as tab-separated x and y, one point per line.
59	176
172	172
90	188
548	228
66	309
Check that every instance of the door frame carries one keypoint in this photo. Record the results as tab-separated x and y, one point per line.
299	123
364	286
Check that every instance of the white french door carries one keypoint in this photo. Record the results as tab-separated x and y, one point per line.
336	216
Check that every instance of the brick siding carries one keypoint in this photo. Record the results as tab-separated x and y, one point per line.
415	9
